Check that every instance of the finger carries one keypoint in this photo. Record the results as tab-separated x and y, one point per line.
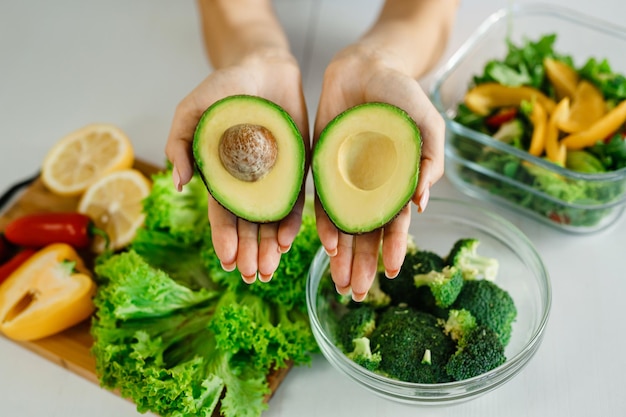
395	237
364	263
432	161
178	148
269	251
248	251
432	130
223	234
341	263
289	227
327	232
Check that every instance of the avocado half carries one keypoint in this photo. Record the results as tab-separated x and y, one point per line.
251	157
366	166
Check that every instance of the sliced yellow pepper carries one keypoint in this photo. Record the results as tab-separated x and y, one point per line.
50	292
563	78
588	107
555	151
539	119
485	97
600	130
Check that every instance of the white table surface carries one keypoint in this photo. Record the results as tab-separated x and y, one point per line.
67	63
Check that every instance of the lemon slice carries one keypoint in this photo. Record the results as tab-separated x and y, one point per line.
85	155
115	204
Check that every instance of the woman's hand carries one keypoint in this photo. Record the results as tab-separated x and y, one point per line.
358	75
271	74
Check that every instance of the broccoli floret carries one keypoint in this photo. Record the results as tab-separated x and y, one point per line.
478	351
402	288
425	301
425	261
478	347
491	305
458	324
445	285
402	337
362	354
354	324
464	256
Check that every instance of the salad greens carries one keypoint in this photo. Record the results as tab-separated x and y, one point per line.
562	199
176	334
523	65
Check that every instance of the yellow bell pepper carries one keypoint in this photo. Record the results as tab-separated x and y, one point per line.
539	119
556	151
563	78
483	98
600	130
588	107
50	292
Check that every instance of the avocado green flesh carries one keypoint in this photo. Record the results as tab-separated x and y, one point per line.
366	166
271	197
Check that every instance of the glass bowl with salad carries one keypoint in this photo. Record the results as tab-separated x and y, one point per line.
535	110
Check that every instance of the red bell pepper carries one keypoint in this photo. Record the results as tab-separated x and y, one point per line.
42	229
501	116
5	250
12	264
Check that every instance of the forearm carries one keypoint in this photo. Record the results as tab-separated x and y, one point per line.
411	33
236	29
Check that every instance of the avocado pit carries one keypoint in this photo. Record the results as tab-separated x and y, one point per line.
248	151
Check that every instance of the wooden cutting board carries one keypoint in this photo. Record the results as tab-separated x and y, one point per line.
71	348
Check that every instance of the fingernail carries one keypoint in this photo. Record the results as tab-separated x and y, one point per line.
265	278
330	253
283	249
176	179
249	279
424	200
342	290
391	273
228	267
358	297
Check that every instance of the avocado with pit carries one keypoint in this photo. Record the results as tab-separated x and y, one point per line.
366	166
251	157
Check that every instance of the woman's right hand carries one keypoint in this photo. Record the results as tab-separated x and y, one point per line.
274	75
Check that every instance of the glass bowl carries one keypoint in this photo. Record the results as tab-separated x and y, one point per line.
580	36
521	273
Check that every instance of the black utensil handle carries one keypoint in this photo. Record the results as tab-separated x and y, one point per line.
12	190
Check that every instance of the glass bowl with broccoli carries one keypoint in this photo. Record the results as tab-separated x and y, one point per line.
465	314
535	109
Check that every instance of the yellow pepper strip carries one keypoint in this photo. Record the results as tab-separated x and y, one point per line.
555	151
588	107
539	119
48	293
563	78
600	130
485	97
